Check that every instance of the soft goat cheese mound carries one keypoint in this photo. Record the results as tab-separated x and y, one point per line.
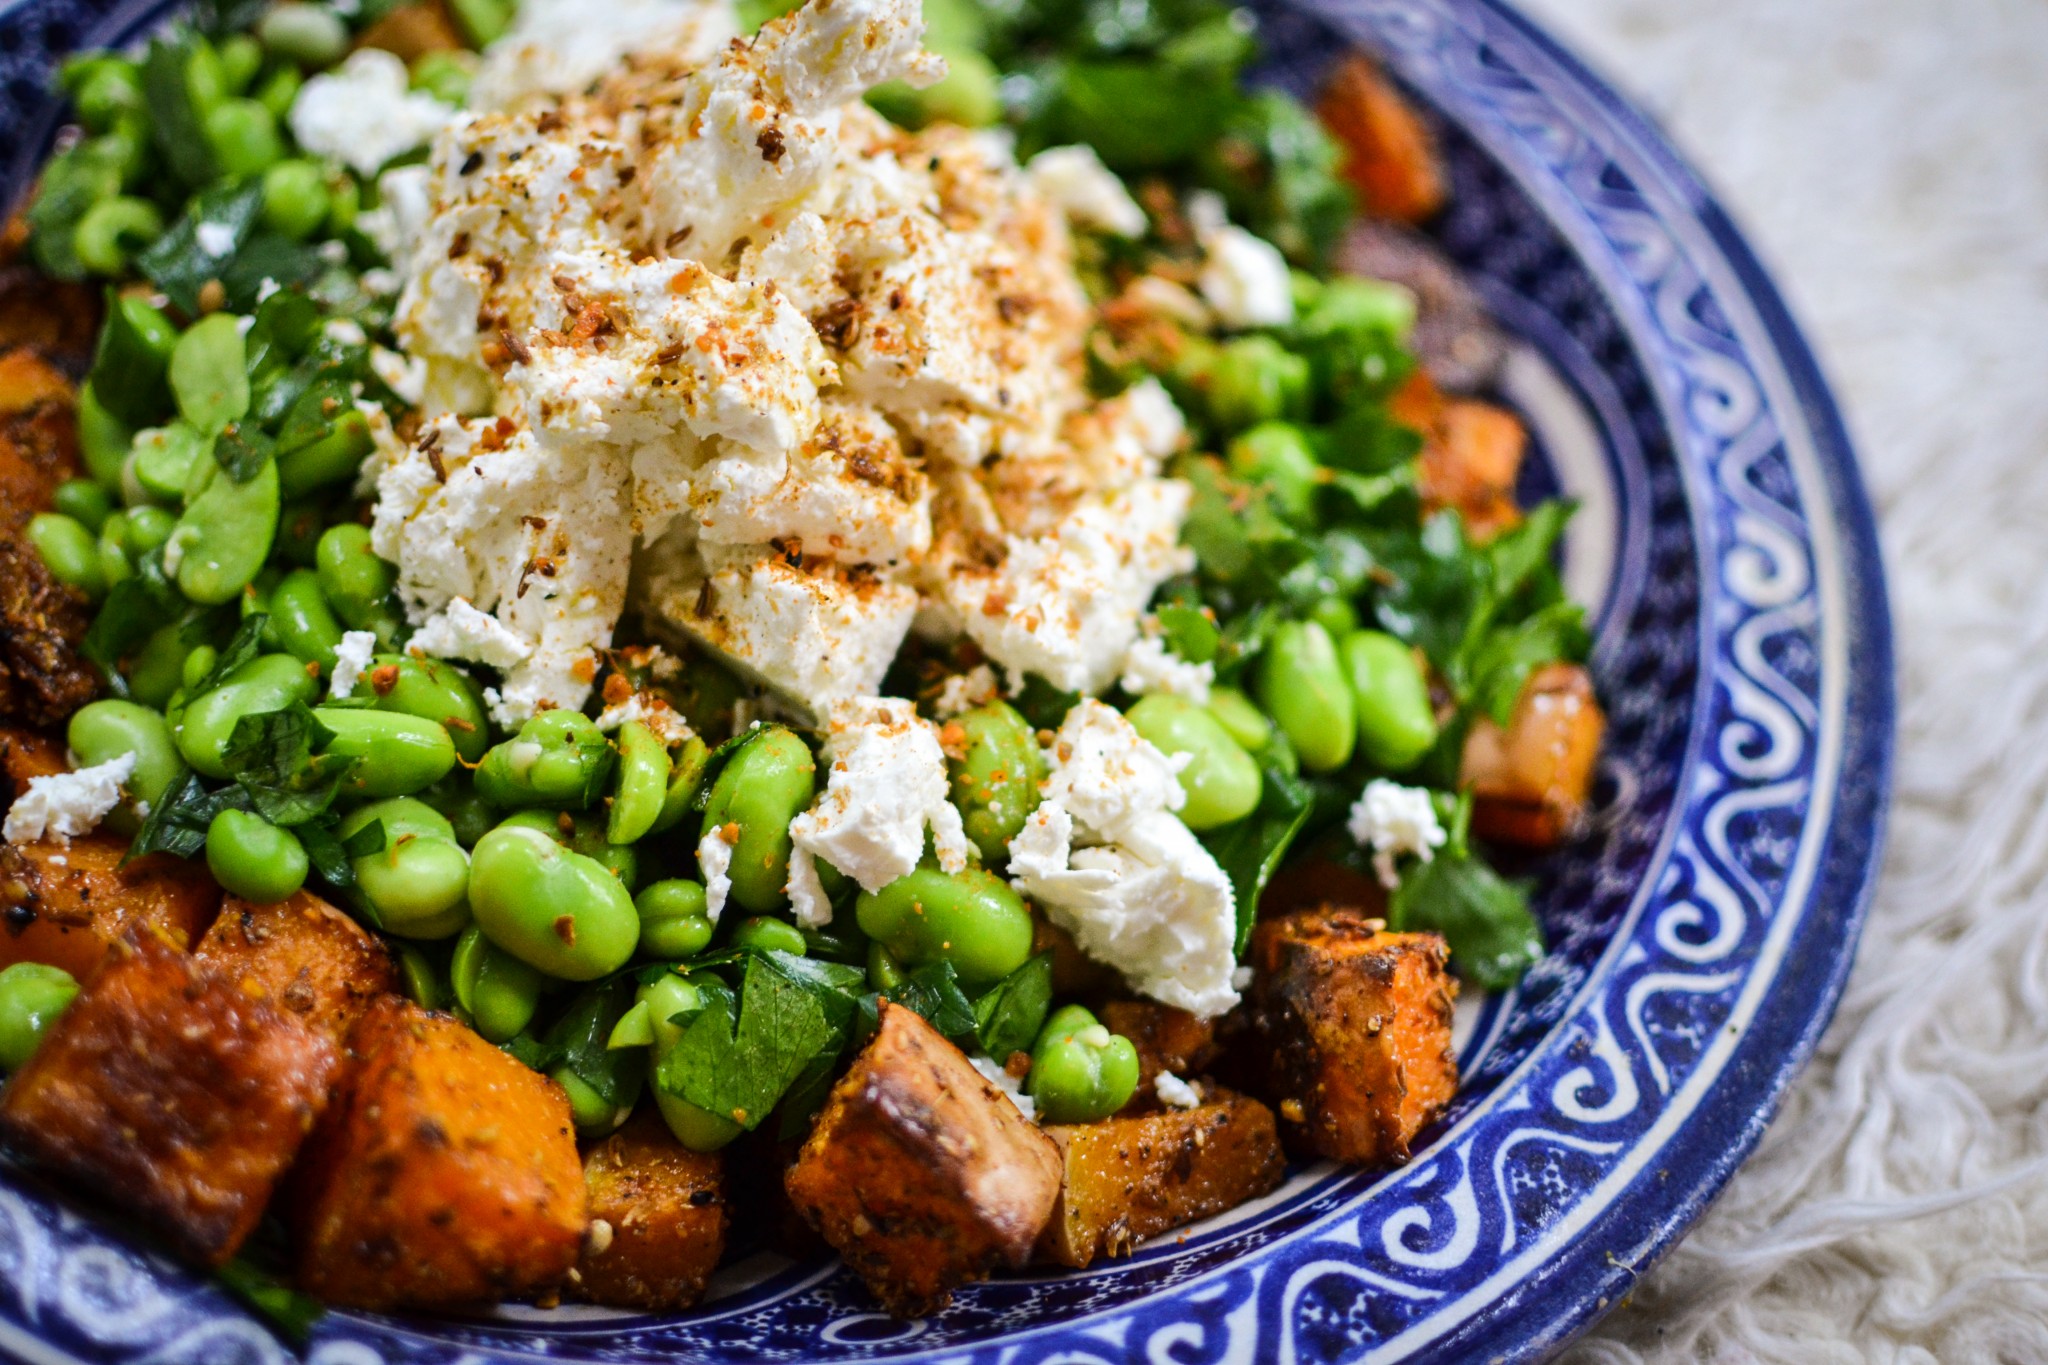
1114	867
67	804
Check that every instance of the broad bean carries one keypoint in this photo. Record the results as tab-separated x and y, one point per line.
470	815
1277	457
268	682
996	778
1255	379
254	859
496	990
209	373
581	834
302	621
32	995
555	910
423	983
1240	719
971	919
129	379
1335	615
298	531
766	783
113	230
1396	722
673	925
83	501
665	999
244	136
224	536
765	934
1301	684
69	551
686	775
1221	781
558	760
312	36
417	885
642	787
164	459
103	438
104	730
434	690
357	583
334	457
399	754
158	669
885	973
295	198
1080	1071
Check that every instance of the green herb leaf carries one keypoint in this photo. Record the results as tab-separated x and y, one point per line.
134	608
329	856
1250	849
578	1040
1009	1014
290	1313
274	756
241	450
313	413
180	262
178	822
739	1070
245	645
933	991
174	117
1484	917
1506	657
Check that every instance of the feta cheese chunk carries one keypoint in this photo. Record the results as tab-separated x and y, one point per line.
714	861
364	112
1149	666
1176	1093
965	691
887	784
1087	191
559	47
460	631
1392	820
351	660
67	804
1244	278
1011	1087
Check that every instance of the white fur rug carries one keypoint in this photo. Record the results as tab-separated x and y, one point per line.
1890	158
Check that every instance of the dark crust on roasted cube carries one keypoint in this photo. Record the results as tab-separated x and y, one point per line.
62	903
658	1219
305	956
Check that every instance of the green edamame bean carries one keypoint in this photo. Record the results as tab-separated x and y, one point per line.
277	90
996	778
1221	781
399	754
555	910
423	983
634	1029
224	536
198	663
115	566
357	583
145	528
706	694
130	364
673	924
642	785
1353	303
1334	615
69	551
84	502
112	231
105	89
103	439
254	859
311	36
769	935
298	531
334	457
1277	457
1396	722
686	775
209	373
1301	684
592	1114
1240	719
432	689
470	815
1080	1071
1255	379
971	919
665	999
559	760
32	995
244	137
104	730
241	57
767	783
268	682
164	458
417	885
345	196
295	199
481	21
300	618
841	942
158	669
496	990
885	973
445	75
582	834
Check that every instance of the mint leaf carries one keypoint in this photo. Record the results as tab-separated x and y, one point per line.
1009	1014
178	822
1483	917
1250	850
274	756
741	1069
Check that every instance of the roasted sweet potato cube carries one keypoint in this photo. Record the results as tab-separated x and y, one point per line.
1390	158
62	904
1471	455
657	1219
1351	1029
920	1173
445	1172
1167	1039
26	755
306	956
1530	782
43	678
1138	1175
170	1090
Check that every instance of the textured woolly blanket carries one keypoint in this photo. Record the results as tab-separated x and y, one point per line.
1890	158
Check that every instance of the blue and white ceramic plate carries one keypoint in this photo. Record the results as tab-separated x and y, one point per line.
1701	933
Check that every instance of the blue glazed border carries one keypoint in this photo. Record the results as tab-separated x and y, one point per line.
1634	1071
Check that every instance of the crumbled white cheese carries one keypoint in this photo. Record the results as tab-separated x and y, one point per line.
215	239
714	860
351	660
1114	867
405	376
363	113
1392	820
965	691
67	804
1245	279
808	903
558	47
1009	1085
887	783
460	631
1241	979
1150	667
652	710
1087	191
1176	1093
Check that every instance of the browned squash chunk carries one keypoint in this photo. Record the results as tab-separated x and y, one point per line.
43	679
1135	1176
444	1173
1530	782
26	755
1351	1028
167	1089
1167	1039
1471	455
59	320
920	1173
1389	156
306	956
38	436
62	904
657	1219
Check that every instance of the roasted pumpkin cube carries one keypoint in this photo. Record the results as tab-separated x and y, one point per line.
444	1173
1135	1176
1389	156
1167	1039
306	956
43	678
63	903
1530	782
921	1174
657	1219
168	1088
26	755
1471	455
1351	1030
